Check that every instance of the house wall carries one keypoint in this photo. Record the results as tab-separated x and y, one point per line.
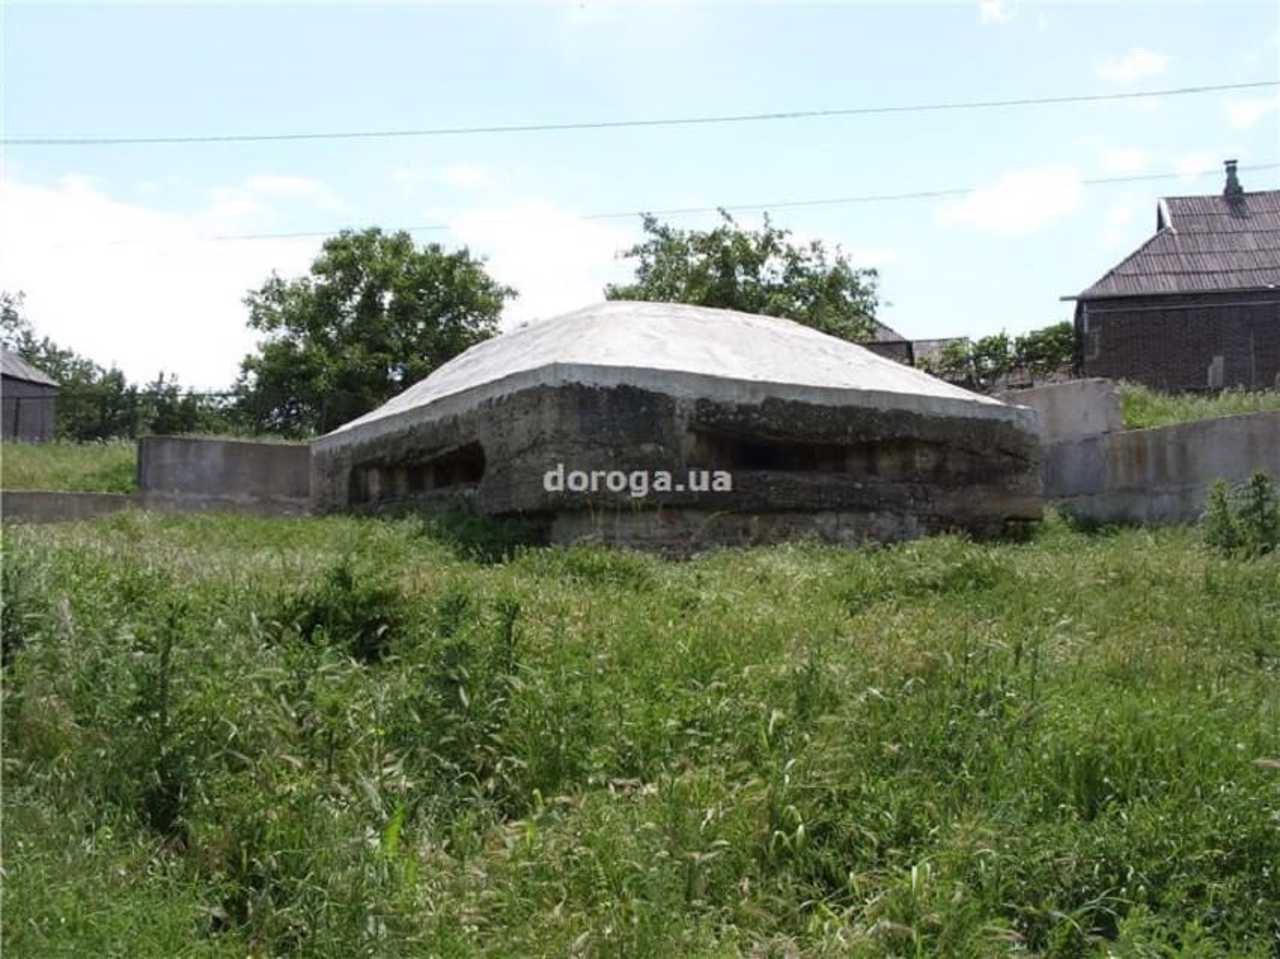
1170	342
28	410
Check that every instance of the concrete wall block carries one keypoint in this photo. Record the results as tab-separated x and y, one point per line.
53	506
1159	475
231	470
1071	410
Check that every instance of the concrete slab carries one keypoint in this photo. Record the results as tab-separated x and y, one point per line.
677	350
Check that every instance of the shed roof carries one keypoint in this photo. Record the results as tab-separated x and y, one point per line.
15	367
1203	244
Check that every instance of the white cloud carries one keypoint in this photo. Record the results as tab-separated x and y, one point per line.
465	176
1018	203
1138	64
1191	164
136	286
459	176
872	257
1116	225
1243	114
301	187
995	11
556	260
1124	160
1202	164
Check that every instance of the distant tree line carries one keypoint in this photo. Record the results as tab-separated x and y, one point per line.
376	313
97	403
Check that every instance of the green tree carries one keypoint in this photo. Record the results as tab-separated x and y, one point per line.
374	315
756	271
1046	350
165	407
981	363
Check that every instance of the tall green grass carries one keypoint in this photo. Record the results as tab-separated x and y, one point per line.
1145	408
334	737
108	467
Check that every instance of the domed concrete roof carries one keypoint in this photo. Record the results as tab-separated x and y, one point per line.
679	350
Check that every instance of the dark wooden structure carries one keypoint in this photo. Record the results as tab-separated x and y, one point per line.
27	400
1197	306
887	342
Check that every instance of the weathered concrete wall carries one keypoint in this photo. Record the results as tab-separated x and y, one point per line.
194	473
1159	475
60	506
1072	410
49	506
838	472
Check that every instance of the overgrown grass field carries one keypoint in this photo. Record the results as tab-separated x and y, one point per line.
108	467
334	737
1144	408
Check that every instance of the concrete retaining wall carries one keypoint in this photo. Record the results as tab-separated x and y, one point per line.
49	506
1159	475
60	506
1071	410
186	475
191	473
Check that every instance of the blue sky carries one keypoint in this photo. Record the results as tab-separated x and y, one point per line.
110	242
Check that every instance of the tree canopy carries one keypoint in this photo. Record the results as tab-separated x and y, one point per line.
756	271
374	315
982	363
96	403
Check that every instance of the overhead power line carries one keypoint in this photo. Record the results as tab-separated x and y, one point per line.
615	124
731	207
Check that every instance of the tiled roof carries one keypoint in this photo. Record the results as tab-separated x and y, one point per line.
12	365
1203	244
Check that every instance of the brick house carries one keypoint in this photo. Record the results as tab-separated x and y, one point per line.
1197	306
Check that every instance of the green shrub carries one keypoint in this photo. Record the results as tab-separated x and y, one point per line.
358	613
1244	518
481	539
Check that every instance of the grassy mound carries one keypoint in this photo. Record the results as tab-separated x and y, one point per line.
1144	408
235	736
82	467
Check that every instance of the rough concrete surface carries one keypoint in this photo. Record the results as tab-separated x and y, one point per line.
679	350
1158	475
853	446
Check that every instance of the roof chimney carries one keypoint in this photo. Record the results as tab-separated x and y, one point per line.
1233	189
